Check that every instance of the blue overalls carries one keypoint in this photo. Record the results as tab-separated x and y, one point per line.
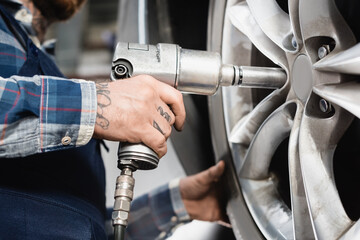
54	195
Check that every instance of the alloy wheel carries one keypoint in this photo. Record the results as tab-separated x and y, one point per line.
292	151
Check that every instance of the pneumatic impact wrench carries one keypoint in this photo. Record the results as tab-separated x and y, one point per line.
190	71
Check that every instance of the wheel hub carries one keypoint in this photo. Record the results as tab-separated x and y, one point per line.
302	79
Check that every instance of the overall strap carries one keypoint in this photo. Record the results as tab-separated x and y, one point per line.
82	166
37	61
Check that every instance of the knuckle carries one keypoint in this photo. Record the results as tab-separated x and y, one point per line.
148	93
160	146
147	78
179	97
160	141
163	149
168	131
172	120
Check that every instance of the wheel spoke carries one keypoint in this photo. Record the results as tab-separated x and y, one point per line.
262	149
273	21
347	61
295	21
318	138
244	131
346	95
271	214
322	18
352	233
300	213
241	18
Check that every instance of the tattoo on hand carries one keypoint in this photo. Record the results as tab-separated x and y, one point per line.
157	127
105	101
164	114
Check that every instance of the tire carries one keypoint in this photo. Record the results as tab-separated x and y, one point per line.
292	153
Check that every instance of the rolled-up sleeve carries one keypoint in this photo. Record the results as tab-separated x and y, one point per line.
43	113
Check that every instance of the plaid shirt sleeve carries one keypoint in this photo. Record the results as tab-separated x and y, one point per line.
157	214
43	113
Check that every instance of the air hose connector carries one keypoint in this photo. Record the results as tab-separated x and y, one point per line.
124	193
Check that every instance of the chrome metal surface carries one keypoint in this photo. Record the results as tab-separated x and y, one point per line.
121	71
325	106
346	61
190	71
293	42
124	192
261	77
295	128
323	51
302	77
137	156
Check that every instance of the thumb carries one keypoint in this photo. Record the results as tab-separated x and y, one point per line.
213	173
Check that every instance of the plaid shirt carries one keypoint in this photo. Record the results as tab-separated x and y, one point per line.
41	113
45	113
157	215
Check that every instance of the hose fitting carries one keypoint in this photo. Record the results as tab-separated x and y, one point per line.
124	192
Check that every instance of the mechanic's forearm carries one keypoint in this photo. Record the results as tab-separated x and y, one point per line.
104	102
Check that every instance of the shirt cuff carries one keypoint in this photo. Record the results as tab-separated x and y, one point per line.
71	120
176	201
88	118
45	113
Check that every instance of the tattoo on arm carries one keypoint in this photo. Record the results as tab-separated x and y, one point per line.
105	101
164	114
157	127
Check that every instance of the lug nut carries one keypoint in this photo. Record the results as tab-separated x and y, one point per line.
323	51
293	42
325	106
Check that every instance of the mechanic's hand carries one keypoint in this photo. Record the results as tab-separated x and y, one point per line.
138	109
202	196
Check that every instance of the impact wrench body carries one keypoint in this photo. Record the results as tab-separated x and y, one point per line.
191	71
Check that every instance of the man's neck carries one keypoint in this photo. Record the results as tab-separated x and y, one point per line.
39	22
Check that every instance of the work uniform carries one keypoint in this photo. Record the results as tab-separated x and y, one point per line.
52	177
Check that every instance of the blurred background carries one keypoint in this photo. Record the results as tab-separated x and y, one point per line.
84	50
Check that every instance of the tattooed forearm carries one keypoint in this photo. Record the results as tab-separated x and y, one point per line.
104	101
157	127
164	114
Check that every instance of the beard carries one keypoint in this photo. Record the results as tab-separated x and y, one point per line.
58	10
